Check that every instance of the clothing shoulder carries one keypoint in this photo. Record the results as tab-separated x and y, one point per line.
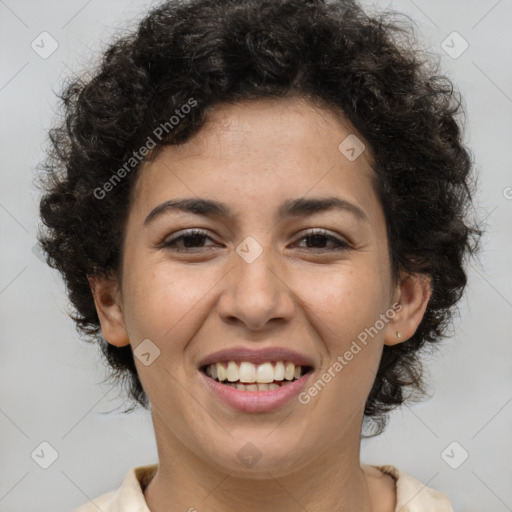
129	497
414	496
411	494
103	503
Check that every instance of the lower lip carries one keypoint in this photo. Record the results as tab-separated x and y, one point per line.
257	401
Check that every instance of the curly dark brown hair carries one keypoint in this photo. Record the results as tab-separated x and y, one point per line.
214	51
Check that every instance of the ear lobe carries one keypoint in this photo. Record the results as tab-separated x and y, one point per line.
413	294
107	299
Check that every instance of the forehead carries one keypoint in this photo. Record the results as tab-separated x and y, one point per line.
270	127
262	152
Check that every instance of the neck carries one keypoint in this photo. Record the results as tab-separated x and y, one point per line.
333	481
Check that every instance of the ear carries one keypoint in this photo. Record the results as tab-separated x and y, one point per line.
107	299
413	294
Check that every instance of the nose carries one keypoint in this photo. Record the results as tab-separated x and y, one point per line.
256	293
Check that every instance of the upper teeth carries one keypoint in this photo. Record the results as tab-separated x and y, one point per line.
248	372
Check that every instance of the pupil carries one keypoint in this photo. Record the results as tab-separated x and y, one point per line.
318	239
193	237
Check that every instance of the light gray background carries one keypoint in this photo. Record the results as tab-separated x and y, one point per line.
50	381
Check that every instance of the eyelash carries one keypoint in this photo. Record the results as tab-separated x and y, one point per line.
341	245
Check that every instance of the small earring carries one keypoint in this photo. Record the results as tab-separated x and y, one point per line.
398	335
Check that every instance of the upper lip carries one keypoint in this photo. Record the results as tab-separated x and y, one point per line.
257	356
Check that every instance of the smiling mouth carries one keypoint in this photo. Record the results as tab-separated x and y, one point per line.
245	376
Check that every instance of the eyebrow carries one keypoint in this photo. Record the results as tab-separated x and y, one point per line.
290	208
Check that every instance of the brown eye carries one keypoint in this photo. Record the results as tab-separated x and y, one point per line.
320	237
191	239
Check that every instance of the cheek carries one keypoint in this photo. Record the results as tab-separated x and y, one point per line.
343	308
157	298
169	304
166	305
345	301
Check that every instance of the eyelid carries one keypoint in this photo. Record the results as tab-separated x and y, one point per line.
185	232
341	242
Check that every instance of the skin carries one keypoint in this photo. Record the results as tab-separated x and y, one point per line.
298	293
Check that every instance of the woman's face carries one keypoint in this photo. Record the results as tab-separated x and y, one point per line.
283	287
